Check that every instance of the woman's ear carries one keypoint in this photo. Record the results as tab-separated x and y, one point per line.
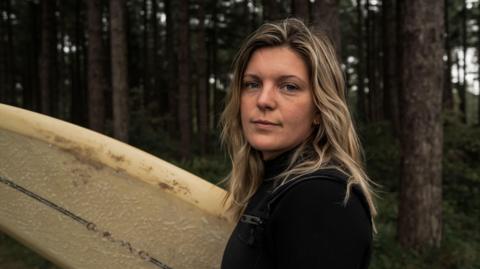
316	119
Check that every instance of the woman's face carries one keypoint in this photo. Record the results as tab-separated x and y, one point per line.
277	109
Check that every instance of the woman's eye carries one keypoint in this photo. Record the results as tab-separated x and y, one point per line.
250	85
289	87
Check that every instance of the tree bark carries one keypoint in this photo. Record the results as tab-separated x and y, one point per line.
360	64
248	17
378	93
31	78
447	93
3	57
271	10
184	101
420	211
96	82
154	69
54	95
47	54
118	45
202	96
213	70
390	77
464	88
171	72
78	96
301	9
146	55
370	62
326	18
478	63
11	68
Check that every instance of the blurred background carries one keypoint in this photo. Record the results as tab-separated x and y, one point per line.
154	73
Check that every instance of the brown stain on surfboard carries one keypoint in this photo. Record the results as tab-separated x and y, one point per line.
175	187
83	154
82	177
165	186
147	169
181	188
88	155
117	158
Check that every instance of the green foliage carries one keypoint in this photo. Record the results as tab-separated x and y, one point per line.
149	133
213	168
382	154
461	172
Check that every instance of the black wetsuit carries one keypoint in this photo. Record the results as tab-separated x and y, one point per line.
306	227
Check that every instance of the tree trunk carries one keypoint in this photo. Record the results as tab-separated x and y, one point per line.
253	17
212	70
146	56
361	64
463	92
248	17
458	85
96	82
447	93
31	81
326	18
375	95
271	10
47	54
57	49
202	96
11	68
301	9
118	45
154	68
369	62
3	57
172	84
478	63
420	211
378	94
184	101
390	77
78	98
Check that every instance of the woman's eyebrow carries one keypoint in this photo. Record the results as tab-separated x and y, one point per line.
290	76
282	77
298	79
251	75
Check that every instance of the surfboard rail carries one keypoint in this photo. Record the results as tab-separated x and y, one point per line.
98	149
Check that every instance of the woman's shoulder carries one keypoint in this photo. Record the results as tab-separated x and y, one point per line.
312	189
320	184
321	192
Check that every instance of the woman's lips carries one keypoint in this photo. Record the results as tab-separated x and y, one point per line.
264	123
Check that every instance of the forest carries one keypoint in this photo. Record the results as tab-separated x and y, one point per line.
154	74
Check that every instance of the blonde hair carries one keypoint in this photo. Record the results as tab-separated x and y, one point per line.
333	141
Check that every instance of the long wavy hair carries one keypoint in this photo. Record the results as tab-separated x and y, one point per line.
332	143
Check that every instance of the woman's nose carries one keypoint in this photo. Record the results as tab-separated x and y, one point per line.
266	98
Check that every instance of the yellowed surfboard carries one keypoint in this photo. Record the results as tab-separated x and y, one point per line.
84	200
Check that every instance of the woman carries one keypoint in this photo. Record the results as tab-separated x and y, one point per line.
297	184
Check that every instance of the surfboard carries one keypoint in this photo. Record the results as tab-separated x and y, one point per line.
84	200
